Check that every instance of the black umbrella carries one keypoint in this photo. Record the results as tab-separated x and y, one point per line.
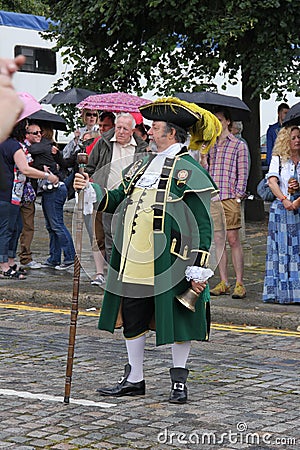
47	99
74	95
210	100
293	116
56	121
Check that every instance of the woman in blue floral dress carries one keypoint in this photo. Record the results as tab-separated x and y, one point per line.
282	276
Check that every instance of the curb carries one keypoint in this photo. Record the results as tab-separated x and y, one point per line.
255	317
252	314
46	297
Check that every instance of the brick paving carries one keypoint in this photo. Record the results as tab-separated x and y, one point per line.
243	390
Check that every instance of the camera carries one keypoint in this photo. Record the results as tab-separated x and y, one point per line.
47	186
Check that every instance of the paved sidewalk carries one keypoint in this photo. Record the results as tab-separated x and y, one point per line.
49	286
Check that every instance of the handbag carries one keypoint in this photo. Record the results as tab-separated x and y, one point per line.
264	190
29	194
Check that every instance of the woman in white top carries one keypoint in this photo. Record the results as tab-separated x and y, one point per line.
282	277
90	118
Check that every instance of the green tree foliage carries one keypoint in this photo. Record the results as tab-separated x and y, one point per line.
168	46
116	44
38	7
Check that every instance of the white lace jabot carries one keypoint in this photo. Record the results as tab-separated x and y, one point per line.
150	178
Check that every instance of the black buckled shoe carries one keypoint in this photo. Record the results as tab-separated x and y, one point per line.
178	393
124	387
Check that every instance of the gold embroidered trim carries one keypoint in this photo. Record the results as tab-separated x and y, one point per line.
204	257
184	255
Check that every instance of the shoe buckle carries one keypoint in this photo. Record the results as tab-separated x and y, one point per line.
121	380
178	386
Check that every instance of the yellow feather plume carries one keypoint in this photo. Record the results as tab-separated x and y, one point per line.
205	131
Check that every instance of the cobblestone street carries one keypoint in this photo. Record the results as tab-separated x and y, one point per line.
243	389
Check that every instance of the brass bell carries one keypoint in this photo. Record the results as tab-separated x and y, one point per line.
188	299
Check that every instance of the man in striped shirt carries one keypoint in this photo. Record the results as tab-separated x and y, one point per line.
228	166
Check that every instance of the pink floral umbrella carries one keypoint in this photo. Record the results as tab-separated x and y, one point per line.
114	102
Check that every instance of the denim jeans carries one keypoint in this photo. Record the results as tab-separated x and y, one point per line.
10	228
60	237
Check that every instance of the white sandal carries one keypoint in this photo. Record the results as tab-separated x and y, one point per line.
99	280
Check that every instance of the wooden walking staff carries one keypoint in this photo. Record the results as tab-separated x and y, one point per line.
82	159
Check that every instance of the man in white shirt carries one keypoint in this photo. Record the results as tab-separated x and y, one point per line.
110	155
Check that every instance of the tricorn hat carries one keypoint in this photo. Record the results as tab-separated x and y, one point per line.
203	126
171	110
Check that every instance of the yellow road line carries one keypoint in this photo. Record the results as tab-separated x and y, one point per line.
254	329
215	326
45	309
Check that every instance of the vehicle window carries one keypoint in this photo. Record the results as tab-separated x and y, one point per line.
38	59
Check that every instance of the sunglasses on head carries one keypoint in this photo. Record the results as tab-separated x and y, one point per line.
91	115
35	133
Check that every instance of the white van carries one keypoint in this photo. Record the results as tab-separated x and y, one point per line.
21	34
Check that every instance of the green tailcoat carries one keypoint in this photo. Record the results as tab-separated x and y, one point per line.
182	227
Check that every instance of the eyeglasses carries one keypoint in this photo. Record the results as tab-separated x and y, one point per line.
35	133
91	115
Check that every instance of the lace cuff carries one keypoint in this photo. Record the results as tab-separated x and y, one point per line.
88	199
197	273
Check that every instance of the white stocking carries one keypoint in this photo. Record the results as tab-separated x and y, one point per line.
135	350
180	353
